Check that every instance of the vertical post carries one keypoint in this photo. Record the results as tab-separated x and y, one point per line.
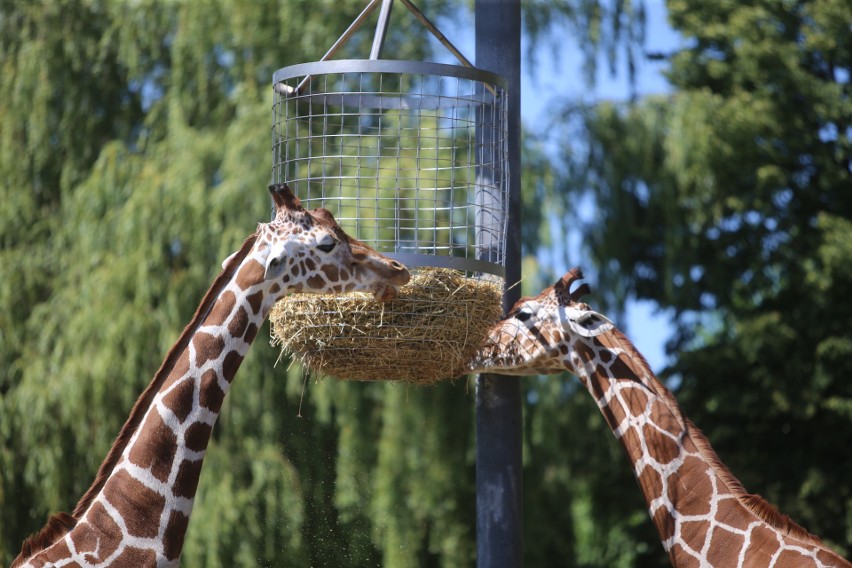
499	481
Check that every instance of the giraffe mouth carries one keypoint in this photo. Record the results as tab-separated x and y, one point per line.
384	274
385	293
391	275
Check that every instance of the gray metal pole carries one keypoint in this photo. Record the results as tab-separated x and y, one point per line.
499	480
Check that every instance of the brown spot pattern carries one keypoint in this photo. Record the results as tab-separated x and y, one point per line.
631	442
231	364
689	487
597	385
661	447
85	538
651	482
251	332
109	532
316	282
180	369
207	347
729	511
664	419
223	306
211	394
682	559
186	481
238	323
180	399
617	412
140	507
175	533
197	436
724	548
793	558
762	546
694	533
155	447
664	522
255	301
330	272
57	551
135	557
636	400
250	273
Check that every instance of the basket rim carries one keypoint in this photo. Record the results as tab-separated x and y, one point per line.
388	66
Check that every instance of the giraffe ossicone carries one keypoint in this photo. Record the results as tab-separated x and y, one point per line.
702	513
137	510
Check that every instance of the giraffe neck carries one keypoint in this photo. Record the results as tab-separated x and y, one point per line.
701	511
137	511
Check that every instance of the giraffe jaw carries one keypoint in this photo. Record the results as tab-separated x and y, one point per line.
385	292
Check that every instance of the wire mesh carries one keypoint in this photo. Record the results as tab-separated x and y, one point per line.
410	157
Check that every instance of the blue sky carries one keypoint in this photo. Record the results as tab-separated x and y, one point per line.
560	78
647	327
557	78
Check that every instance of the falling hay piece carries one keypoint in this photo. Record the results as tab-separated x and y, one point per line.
426	334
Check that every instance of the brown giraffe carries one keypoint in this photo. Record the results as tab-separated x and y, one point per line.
703	514
137	511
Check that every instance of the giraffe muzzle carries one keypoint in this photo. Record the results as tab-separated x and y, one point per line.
391	275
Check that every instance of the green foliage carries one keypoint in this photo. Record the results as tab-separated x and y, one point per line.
133	138
729	202
133	144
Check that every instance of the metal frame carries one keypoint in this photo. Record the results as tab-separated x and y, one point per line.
335	124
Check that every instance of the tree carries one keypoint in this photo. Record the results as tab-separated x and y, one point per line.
728	201
132	144
133	139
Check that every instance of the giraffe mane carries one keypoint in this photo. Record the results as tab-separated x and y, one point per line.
57	525
760	507
756	504
61	523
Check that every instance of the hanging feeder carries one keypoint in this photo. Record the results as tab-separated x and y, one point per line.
411	158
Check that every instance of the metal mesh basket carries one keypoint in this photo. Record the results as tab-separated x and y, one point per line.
410	157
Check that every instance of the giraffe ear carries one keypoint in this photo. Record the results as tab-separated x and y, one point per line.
284	198
276	262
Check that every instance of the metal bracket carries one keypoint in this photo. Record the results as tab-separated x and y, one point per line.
379	39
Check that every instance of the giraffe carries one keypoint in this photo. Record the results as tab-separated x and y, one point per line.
137	510
702	513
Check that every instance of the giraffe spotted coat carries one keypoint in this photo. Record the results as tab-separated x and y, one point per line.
702	513
137	511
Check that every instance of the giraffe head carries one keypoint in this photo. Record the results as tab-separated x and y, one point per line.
537	334
308	252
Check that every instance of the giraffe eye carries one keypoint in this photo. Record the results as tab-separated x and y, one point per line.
327	245
523	315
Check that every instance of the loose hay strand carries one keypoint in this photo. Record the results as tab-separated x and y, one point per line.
428	333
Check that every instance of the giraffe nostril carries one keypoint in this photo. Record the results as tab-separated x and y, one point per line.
397	265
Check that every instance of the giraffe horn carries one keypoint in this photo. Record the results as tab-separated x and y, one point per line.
570	277
563	286
582	290
284	197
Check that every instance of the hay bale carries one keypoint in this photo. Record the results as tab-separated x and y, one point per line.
426	334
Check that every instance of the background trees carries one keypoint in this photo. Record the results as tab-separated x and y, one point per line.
729	201
133	144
